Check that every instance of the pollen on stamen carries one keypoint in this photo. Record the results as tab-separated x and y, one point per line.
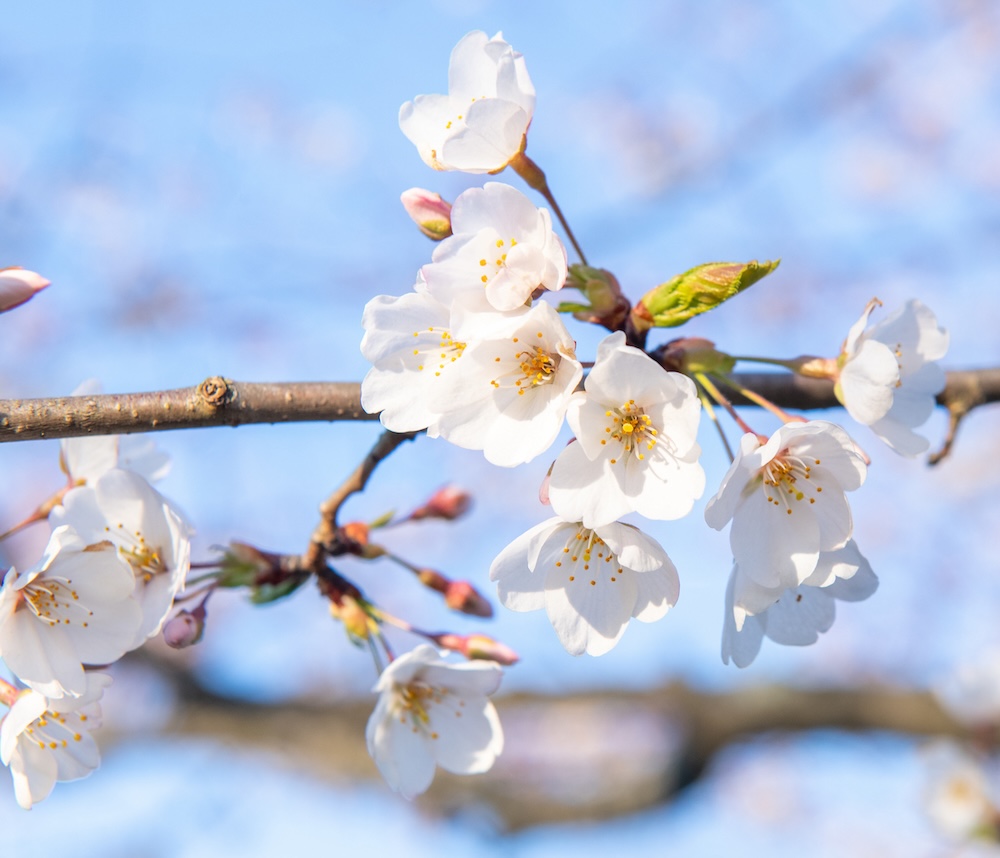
484	278
572	577
499	242
482	262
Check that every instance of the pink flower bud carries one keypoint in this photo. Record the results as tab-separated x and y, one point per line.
478	647
429	212
463	597
185	629
18	286
448	502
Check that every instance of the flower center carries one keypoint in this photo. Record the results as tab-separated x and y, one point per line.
436	349
145	559
499	262
414	700
632	428
51	731
788	480
529	368
54	601
583	555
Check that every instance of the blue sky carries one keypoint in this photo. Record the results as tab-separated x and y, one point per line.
213	189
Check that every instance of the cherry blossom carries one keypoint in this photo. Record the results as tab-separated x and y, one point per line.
509	394
636	450
431	713
148	533
795	616
957	797
44	739
75	607
787	501
888	378
590	582
482	123
502	250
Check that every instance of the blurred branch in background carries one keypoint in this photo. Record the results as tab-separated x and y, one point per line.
575	756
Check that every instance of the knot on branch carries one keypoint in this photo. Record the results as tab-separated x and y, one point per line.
215	391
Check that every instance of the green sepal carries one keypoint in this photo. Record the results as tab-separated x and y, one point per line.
265	593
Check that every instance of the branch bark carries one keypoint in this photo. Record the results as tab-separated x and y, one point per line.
221	401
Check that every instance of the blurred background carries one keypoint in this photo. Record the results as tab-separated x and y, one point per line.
213	189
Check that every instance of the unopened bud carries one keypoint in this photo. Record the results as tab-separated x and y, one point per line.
692	355
463	597
433	580
448	502
243	565
354	539
478	647
18	286
186	628
429	212
607	307
702	288
355	618
815	367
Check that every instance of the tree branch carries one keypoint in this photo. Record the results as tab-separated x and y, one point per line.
223	402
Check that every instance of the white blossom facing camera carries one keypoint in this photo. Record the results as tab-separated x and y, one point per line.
502	250
590	582
148	534
431	712
75	607
480	125
44	740
636	449
795	616
509	394
888	378
787	501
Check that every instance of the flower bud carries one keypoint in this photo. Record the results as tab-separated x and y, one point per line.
477	646
429	212
702	288
17	286
448	502
694	354
243	565
463	597
354	536
355	618
433	580
186	628
607	307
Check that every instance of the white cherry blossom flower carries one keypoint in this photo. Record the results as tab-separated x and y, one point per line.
75	607
17	286
482	123
44	740
502	250
509	393
795	616
787	501
957	796
590	582
636	450
972	692
148	533
433	713
409	342
888	378
85	459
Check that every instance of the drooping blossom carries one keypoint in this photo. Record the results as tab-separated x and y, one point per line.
590	582
636	449
888	376
502	250
795	616
18	286
149	535
431	712
44	740
86	458
482	123
74	607
787	501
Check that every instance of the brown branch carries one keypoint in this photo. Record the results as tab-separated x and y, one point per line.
223	402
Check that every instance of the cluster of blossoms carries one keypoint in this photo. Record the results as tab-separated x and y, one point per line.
117	556
476	355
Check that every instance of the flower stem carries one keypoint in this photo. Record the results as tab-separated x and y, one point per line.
766	404
535	178
710	410
717	395
786	364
